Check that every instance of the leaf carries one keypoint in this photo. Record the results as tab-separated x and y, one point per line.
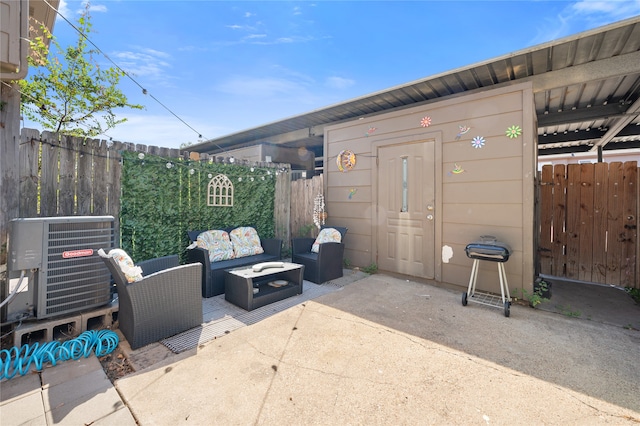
66	90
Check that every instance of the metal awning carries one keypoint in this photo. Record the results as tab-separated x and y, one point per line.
586	91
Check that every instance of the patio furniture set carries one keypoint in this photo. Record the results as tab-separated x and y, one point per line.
159	298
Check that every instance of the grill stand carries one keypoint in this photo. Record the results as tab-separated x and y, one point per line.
484	298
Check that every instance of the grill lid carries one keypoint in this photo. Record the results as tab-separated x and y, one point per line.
488	248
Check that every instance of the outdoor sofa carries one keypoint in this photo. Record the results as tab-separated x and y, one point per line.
218	253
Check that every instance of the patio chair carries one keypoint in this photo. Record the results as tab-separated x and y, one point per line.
324	265
165	302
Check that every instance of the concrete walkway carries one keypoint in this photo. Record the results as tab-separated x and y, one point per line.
71	393
382	350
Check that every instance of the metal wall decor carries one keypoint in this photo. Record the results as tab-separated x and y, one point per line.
477	142
514	131
346	160
463	130
425	122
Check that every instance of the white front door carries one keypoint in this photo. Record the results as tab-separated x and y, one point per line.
406	208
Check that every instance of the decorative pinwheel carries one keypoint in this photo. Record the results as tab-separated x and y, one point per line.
477	142
425	122
514	132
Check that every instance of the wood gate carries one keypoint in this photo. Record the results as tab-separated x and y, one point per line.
588	222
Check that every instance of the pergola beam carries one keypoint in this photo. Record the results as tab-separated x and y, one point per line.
581	115
616	66
631	114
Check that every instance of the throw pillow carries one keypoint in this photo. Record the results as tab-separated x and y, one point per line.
123	260
327	235
246	241
217	243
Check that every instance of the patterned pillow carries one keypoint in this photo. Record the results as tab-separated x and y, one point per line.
217	243
327	235
246	241
131	272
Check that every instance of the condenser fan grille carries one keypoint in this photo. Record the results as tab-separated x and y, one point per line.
75	277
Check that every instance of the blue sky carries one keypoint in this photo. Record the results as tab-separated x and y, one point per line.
227	66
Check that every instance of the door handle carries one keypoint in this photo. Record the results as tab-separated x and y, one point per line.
430	208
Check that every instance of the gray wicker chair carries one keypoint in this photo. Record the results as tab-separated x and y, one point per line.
165	302
322	266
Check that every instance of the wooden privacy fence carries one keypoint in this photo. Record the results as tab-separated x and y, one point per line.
303	194
68	177
71	176
589	221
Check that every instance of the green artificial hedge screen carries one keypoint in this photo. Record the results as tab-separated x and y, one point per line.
163	198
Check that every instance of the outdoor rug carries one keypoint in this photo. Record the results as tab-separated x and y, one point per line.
221	317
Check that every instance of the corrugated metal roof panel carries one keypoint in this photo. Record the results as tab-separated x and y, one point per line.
577	101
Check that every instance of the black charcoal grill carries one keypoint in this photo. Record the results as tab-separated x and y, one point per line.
494	251
490	249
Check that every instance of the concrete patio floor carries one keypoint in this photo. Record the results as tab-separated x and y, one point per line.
383	350
390	351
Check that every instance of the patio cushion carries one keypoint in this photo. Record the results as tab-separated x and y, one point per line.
217	243
327	235
246	241
131	272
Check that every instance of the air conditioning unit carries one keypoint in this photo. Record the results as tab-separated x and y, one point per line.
53	266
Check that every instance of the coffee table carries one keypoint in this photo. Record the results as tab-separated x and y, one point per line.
252	289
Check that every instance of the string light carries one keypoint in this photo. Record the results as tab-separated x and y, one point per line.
191	167
144	91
